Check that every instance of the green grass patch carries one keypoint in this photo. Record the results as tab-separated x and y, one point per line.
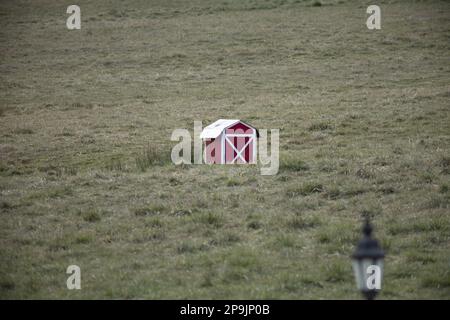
150	210
151	156
304	189
291	163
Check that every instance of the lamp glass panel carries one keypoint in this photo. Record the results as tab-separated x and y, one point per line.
361	268
358	272
380	263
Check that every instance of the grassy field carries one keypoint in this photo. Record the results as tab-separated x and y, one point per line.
85	124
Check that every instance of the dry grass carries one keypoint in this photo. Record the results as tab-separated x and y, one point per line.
85	124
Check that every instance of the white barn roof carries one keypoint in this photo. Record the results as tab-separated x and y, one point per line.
215	129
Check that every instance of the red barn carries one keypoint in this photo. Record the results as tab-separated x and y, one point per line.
229	141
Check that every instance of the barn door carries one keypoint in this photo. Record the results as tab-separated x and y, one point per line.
238	147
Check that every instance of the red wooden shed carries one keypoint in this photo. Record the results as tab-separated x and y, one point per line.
229	141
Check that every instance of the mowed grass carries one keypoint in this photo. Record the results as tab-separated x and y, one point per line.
85	171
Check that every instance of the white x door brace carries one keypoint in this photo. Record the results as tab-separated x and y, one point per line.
239	153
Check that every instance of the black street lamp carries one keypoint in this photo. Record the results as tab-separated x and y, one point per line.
368	263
